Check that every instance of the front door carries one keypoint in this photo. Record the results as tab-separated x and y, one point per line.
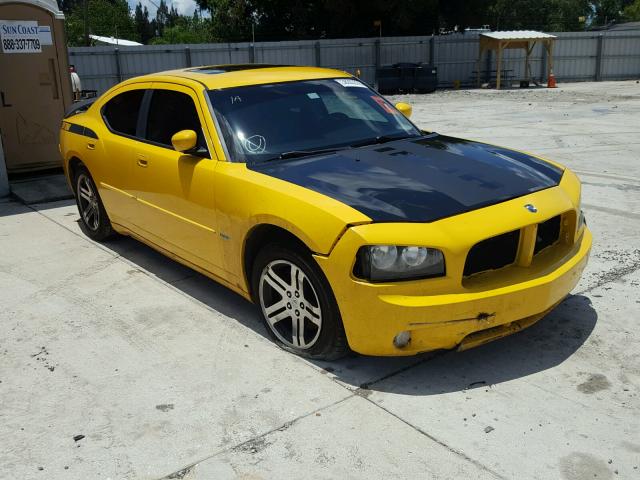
175	191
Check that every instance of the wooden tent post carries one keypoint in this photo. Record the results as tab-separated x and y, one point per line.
527	74
549	56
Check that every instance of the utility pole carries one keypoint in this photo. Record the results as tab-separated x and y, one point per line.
86	22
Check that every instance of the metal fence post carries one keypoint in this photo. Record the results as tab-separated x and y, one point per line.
318	52
187	56
252	53
116	52
543	64
599	47
377	62
432	50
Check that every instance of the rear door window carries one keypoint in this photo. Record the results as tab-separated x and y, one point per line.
169	113
121	112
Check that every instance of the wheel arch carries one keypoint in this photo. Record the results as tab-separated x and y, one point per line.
73	164
261	235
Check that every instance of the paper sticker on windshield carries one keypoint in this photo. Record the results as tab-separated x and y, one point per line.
350	82
385	106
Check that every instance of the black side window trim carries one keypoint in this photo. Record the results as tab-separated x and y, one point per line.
80	130
143	116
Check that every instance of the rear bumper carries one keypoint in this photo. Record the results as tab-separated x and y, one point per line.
373	315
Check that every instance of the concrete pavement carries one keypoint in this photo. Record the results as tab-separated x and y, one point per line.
117	363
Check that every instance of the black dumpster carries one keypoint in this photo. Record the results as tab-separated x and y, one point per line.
388	79
407	78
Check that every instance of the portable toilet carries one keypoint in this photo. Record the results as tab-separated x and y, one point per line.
35	86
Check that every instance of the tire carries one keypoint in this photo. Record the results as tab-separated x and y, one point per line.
94	221
306	307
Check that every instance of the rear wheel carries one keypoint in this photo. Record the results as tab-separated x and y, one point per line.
297	304
94	221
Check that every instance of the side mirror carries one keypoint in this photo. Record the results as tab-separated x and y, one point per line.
404	108
184	140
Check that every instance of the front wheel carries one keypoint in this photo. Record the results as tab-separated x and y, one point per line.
297	304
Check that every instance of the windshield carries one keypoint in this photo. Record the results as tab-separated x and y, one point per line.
264	122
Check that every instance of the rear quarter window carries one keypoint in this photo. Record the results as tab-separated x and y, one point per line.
121	112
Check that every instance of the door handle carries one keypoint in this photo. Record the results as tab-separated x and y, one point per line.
142	162
91	146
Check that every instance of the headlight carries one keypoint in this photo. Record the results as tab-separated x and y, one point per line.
379	263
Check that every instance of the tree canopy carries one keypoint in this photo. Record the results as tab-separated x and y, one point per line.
239	20
109	18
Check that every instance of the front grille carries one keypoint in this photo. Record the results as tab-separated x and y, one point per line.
492	253
548	234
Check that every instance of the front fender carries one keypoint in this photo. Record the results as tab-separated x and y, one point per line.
245	199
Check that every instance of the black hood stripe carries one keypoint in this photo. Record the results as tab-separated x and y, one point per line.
419	180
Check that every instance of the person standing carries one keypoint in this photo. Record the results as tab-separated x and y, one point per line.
76	86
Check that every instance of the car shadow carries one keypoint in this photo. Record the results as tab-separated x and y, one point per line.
193	284
542	346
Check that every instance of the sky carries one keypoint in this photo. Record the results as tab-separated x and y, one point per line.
184	7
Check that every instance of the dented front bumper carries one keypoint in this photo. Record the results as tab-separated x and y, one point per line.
373	317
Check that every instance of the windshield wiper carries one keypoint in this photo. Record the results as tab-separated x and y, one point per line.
363	143
304	153
381	139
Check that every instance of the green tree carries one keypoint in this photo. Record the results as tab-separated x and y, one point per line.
67	5
109	18
606	11
172	17
295	19
548	15
186	30
632	11
144	29
162	17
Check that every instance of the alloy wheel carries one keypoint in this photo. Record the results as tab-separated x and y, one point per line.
290	304
88	202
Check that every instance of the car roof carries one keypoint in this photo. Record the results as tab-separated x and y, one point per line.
235	75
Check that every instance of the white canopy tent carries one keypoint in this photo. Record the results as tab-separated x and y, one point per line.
113	41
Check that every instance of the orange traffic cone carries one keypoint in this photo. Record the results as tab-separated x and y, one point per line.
551	81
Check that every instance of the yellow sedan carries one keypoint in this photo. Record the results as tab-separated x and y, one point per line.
311	195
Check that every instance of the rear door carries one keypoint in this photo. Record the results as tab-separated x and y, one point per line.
121	115
175	191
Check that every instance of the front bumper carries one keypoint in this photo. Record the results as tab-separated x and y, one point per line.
372	319
454	311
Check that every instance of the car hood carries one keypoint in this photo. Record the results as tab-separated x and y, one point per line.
419	179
